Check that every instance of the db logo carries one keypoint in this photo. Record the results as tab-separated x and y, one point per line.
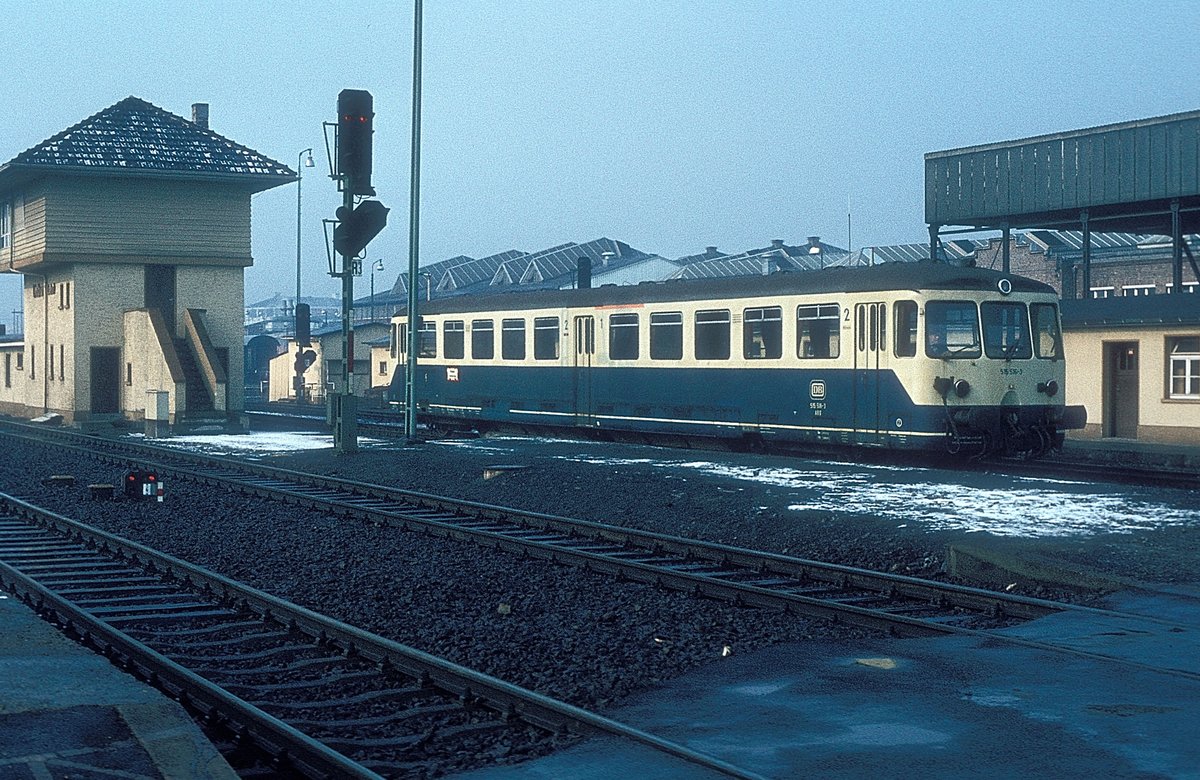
451	374
816	390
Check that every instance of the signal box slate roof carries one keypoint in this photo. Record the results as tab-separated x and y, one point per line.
135	138
1124	175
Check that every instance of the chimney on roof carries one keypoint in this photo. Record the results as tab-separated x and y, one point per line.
777	243
200	115
814	242
605	257
710	251
583	273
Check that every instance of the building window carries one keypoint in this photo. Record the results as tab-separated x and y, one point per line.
8	369
20	361
1102	292
818	331
129	374
623	337
32	362
666	336
62	363
383	368
712	334
483	340
1184	354
545	338
1137	290
906	328
5	223
762	333
453	335
50	363
512	339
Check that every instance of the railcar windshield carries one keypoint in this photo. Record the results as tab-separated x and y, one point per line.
1006	330
952	329
1047	337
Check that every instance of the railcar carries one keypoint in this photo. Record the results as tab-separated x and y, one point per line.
924	356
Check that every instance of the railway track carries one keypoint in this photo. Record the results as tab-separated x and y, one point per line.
317	697
897	604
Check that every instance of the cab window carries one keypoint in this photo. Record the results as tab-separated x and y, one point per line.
1006	330
1047	337
952	329
906	328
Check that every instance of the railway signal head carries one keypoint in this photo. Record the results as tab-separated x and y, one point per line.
358	226
356	119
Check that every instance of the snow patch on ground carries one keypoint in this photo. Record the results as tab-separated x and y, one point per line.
259	443
1045	507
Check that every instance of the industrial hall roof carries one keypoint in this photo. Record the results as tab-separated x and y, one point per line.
135	138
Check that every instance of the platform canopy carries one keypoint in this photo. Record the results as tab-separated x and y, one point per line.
1124	177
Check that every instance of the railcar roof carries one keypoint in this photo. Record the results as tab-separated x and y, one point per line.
892	276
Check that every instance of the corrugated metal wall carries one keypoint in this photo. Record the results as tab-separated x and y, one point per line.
1127	163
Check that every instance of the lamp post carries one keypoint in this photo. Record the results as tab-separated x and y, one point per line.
301	164
428	277
376	266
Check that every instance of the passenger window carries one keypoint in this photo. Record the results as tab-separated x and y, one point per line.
402	340
483	340
545	338
427	340
951	329
1047	338
623	333
712	334
818	331
906	328
512	339
453	335
666	336
762	333
1006	330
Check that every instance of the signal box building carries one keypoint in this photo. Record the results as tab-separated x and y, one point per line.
132	232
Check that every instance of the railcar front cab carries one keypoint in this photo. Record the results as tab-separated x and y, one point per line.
998	370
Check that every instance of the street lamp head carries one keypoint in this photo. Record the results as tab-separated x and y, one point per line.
379	264
308	161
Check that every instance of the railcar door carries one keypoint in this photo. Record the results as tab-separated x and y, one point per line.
870	343
585	350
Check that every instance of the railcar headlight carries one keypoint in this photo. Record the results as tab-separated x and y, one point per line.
961	388
1049	388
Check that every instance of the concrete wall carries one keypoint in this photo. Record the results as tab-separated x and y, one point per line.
149	364
220	293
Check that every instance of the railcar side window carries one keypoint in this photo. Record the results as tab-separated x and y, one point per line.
512	339
818	331
952	329
712	334
402	340
545	338
623	337
483	339
666	335
427	339
1185	366
1006	330
762	333
453	335
906	328
1047	338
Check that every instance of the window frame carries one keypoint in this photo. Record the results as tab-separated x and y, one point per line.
1055	333
931	308
906	329
819	313
454	334
770	336
546	339
478	328
659	319
1022	348
718	348
619	324
427	339
1189	360
508	325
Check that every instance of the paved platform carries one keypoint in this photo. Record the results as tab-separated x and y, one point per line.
66	712
1109	450
930	708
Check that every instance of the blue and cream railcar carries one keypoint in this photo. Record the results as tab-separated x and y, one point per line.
925	357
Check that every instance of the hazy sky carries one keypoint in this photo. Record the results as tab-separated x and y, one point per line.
668	125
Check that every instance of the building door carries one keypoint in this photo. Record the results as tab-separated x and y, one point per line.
585	350
870	342
105	380
160	293
1121	389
